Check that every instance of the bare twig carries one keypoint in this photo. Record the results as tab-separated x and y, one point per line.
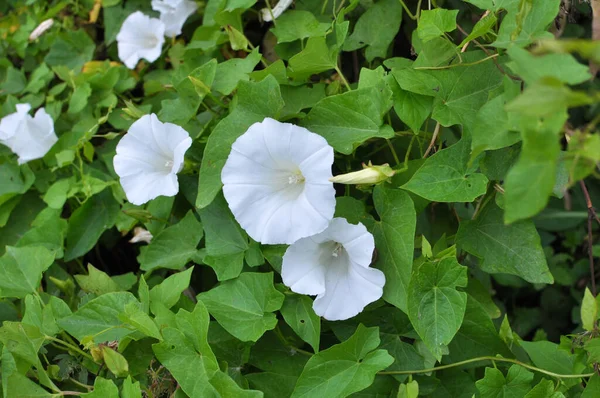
591	216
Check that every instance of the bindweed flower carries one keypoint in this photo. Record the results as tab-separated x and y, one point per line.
334	266
149	157
268	15
368	175
140	37
29	137
40	29
276	182
173	14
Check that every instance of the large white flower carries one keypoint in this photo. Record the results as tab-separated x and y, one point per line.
173	13
29	137
140	37
334	265
276	181
149	157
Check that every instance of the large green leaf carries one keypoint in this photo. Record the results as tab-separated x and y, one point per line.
230	73
436	22
344	368
526	23
511	249
515	385
244	306
255	101
394	238
435	307
294	25
297	312
173	247
316	57
21	270
169	291
563	67
347	120
72	49
447	177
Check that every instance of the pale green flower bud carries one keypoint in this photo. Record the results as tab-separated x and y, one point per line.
368	175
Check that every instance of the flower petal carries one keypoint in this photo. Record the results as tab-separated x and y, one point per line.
140	37
142	188
174	13
357	241
301	269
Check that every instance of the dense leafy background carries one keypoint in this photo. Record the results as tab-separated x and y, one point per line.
486	109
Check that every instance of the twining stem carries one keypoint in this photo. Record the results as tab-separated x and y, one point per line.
488	358
80	384
457	65
394	154
436	131
341	75
591	216
69	346
412	16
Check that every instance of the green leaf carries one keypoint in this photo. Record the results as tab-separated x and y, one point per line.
169	291
44	317
592	389
48	230
316	57
435	307
21	270
548	97
531	180
103	388
394	238
244	306
511	249
563	67
347	120
484	26
97	282
100	318
255	101
544	389
115	362
135	316
526	22
297	312
230	73
549	356
225	241
344	368
15	384
88	222
409	390
173	247
72	49
131	389
297	25
436	22
376	29
447	177
516	384
494	128
412	108
589	311
79	98
14	82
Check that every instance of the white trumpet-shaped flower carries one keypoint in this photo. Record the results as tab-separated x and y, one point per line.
276	182
29	137
334	266
174	13
140	37
149	157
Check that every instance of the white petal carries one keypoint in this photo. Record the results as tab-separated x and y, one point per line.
149	157
140	37
266	188
335	265
29	137
174	13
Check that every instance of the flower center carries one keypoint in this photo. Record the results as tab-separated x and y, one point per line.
296	178
169	164
337	249
151	41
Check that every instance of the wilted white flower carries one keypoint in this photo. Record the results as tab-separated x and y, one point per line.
140	37
141	235
149	157
276	181
41	28
173	13
334	265
279	8
29	137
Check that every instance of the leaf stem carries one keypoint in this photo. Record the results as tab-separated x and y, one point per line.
493	359
341	75
393	150
80	384
412	16
459	64
436	131
69	346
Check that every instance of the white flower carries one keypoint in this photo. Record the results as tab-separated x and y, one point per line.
29	137
140	37
276	181
173	14
40	29
279	8
334	265
149	157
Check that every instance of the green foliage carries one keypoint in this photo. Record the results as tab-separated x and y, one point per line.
486	111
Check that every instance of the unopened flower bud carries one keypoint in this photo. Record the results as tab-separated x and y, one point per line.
40	29
368	175
141	235
268	15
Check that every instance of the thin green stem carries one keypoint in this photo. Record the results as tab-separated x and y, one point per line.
80	384
489	358
341	75
69	346
457	65
410	14
394	154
